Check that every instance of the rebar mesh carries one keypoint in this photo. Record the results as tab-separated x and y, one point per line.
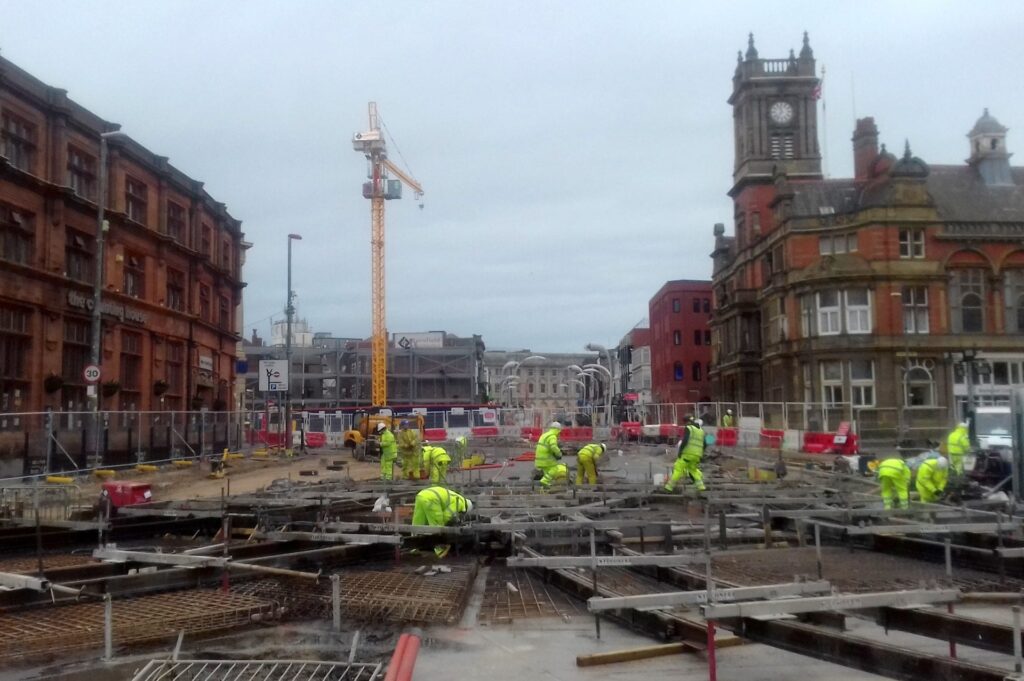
248	670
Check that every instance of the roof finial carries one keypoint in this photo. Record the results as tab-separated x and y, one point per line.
806	52
751	50
986	111
906	149
739	56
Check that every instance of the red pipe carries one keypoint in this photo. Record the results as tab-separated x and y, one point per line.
396	658
408	660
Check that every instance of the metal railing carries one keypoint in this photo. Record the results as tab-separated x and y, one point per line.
38	443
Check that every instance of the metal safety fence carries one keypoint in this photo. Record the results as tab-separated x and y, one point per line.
37	443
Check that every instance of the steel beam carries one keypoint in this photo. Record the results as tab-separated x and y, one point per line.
855	652
837	602
332	537
964	630
555	562
948	528
677	598
176	559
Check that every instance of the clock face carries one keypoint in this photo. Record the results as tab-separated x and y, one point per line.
781	112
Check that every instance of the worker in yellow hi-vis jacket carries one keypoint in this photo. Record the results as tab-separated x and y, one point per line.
437	506
586	462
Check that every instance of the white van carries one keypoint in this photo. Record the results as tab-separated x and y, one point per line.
993	426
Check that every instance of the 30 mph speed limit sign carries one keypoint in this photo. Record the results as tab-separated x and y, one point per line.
91	373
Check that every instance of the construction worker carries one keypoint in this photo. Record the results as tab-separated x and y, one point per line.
437	506
409	450
728	421
547	455
932	476
688	456
586	462
894	476
958	443
461	449
435	462
388	451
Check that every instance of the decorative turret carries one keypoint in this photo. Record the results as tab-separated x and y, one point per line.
909	166
751	50
806	52
988	151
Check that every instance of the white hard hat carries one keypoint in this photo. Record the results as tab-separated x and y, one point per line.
469	506
728	411
555	424
604	448
942	463
380	427
699	422
963	424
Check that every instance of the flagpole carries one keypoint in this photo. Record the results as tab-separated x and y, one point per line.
824	121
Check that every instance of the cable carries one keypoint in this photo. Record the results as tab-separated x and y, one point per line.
397	148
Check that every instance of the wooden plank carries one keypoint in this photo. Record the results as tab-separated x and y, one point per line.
642	653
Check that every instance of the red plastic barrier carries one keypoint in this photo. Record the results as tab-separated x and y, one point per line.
628	429
727	437
526	456
576	434
825	443
484	466
484	431
772	438
435	434
817	443
315	440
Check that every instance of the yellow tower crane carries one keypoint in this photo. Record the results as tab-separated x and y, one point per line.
378	189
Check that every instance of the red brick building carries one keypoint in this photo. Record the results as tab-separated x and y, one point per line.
863	294
680	341
172	265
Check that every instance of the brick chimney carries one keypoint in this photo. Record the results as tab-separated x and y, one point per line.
865	147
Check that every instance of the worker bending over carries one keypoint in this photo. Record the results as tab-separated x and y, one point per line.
932	476
461	448
438	506
894	476
435	462
688	456
388	452
548	457
409	451
586	462
958	443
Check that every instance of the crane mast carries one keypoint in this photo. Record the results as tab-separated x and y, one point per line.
378	189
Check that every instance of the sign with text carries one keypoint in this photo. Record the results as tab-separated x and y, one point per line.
273	375
421	340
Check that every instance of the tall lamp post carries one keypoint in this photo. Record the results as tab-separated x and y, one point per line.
607	393
289	312
97	287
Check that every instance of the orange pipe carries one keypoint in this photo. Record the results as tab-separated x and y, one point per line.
405	666
396	658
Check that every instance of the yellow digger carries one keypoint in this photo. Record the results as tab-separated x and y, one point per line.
362	438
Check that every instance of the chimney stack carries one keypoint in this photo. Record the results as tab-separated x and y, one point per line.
865	147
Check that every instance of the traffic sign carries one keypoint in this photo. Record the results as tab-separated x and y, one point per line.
91	373
273	375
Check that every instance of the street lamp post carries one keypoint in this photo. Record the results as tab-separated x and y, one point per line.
97	288
289	312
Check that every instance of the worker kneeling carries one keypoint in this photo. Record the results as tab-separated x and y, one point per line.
894	476
438	506
688	456
586	462
932	476
436	462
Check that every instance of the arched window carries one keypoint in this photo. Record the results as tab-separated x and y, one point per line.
920	386
1014	296
695	371
677	371
967	300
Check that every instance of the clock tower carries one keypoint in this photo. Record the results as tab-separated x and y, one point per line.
775	117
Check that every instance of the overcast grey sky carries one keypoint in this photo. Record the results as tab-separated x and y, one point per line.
575	154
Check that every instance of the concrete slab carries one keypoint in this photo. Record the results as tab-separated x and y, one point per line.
547	649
